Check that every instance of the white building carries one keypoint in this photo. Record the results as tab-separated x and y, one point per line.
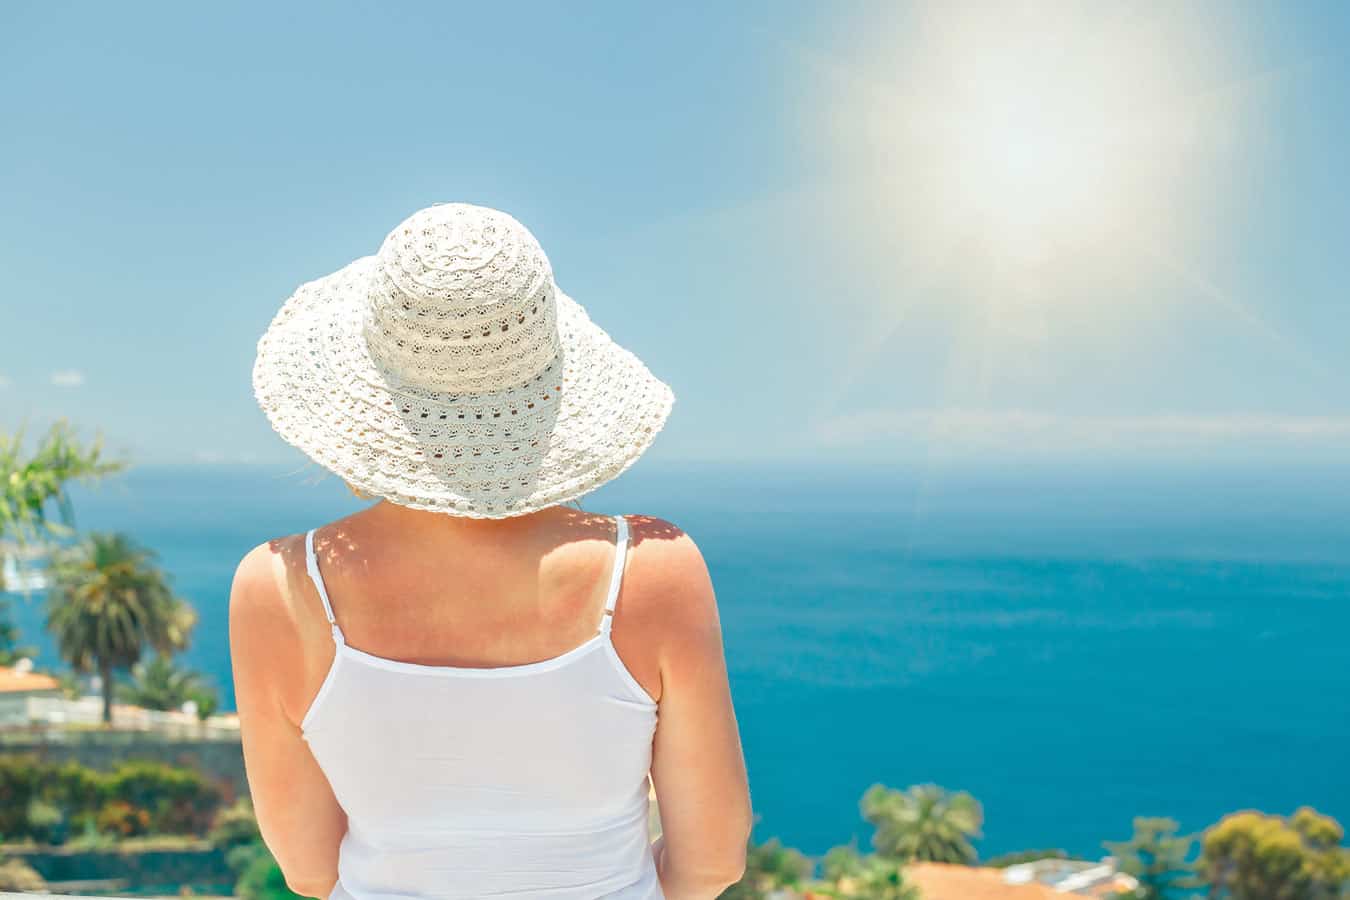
22	691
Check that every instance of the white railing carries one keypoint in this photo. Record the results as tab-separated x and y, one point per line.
41	711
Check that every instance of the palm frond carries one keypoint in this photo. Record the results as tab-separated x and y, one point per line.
29	485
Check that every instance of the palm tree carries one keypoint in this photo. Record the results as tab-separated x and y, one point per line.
28	485
769	868
109	603
925	823
161	684
1159	858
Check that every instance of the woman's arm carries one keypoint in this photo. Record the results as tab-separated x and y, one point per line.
300	819
698	768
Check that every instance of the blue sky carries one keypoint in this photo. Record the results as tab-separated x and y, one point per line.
839	231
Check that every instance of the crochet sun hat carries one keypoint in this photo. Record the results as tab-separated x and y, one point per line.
448	372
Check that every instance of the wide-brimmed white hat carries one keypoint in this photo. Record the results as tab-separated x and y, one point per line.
448	372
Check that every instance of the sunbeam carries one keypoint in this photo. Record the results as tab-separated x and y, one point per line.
1033	162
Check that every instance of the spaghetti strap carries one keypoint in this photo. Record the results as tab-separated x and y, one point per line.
312	565
616	574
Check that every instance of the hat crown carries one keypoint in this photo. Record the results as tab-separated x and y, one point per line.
463	301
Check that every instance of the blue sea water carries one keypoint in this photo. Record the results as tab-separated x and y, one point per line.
1075	646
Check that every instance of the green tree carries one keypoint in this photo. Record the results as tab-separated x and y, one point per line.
847	873
109	604
1254	856
162	684
883	878
207	700
844	861
1328	861
11	651
925	823
32	483
770	867
1158	858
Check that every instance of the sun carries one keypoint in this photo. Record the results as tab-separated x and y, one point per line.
1034	130
1028	159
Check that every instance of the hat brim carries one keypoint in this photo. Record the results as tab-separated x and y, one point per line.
580	423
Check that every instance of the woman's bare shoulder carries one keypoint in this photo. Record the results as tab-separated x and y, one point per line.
661	539
268	595
260	577
271	581
277	627
667	578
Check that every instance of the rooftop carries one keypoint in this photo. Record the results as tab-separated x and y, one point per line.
21	678
946	881
1042	880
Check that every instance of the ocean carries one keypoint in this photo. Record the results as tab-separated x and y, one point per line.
1074	645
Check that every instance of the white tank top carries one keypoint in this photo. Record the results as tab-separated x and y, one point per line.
526	781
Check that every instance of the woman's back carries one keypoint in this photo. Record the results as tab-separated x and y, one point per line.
528	779
420	587
475	723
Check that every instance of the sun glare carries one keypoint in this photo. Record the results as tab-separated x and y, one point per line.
1036	175
1029	160
1036	130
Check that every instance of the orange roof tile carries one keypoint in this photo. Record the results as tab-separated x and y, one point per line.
12	680
943	881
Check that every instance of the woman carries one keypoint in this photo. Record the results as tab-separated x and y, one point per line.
463	689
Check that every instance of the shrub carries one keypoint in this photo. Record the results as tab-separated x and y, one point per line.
180	800
76	791
72	786
90	838
123	819
45	801
20	778
1254	856
46	821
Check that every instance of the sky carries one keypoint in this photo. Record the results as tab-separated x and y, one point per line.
840	231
